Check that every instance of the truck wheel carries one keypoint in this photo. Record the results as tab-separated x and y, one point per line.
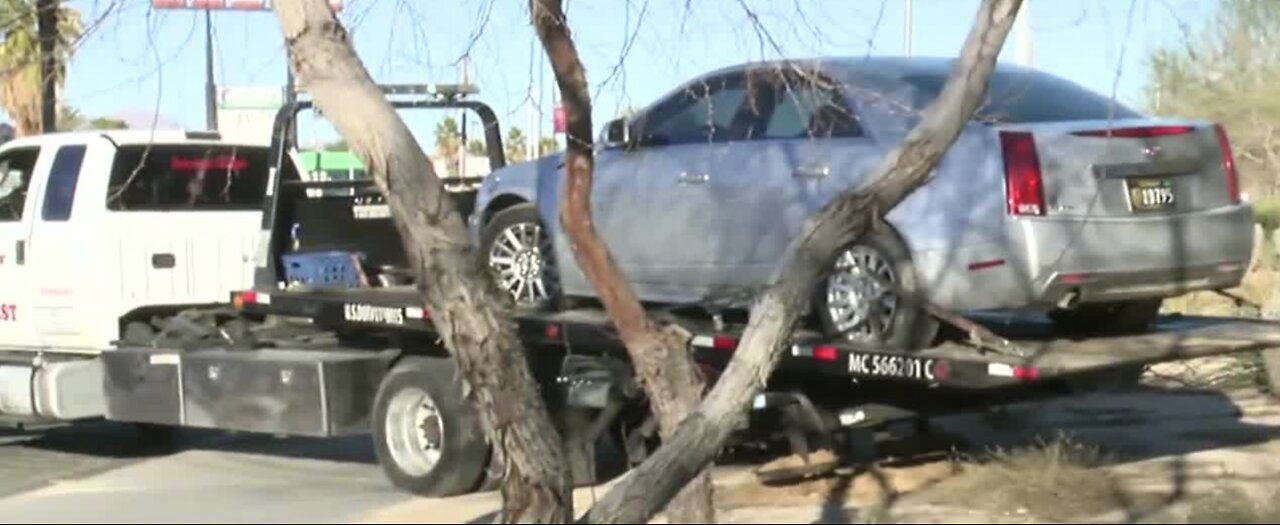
1127	317
427	438
864	298
517	249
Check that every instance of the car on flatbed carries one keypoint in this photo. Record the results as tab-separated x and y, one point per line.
1053	199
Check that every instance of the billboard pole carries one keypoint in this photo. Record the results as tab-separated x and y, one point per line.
210	90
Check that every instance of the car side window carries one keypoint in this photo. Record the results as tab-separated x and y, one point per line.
710	111
809	106
16	169
63	177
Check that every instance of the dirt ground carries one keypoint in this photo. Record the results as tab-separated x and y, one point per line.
1197	443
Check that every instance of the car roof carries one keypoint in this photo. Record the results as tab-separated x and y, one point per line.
131	136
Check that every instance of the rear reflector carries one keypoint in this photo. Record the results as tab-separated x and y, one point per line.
1026	373
553	331
827	354
1228	164
1073	278
1024	185
721	342
250	297
982	265
1140	132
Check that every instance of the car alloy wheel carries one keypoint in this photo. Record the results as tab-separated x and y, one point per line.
860	298
518	258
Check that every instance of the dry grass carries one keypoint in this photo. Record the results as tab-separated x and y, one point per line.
1256	287
1054	480
1232	504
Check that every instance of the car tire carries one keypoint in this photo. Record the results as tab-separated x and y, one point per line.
910	327
426	436
521	217
1127	317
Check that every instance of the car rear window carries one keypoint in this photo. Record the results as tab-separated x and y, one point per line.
188	177
1022	97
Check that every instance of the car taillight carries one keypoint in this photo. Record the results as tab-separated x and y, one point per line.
1024	184
1228	164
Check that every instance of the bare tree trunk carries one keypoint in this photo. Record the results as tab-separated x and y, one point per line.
466	306
659	353
849	216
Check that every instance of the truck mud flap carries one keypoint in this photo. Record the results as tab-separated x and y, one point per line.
319	393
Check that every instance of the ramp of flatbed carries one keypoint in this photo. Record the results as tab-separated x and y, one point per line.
1173	338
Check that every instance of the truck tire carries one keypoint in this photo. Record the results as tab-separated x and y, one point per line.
427	438
883	254
1126	317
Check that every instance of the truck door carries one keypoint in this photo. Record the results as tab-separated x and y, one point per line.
59	254
18	166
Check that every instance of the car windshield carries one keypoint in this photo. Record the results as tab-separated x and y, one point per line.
1024	97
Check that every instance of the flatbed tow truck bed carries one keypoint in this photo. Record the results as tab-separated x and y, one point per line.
1033	353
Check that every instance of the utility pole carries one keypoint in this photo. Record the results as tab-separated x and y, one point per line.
1022	27
906	38
47	33
210	90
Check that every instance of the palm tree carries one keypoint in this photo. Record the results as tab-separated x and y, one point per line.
448	142
517	145
20	59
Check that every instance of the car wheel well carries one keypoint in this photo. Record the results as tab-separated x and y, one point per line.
498	204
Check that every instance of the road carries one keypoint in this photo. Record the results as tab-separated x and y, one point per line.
90	473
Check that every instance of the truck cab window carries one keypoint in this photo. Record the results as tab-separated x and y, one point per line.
63	177
16	167
190	177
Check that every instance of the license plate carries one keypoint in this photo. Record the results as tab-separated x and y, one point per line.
1150	194
900	367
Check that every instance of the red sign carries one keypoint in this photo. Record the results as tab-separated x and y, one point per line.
559	121
239	5
215	163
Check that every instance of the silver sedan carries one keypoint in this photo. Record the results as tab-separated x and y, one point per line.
1054	199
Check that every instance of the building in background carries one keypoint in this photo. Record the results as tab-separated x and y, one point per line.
247	113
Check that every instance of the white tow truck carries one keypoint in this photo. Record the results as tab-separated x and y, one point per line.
105	229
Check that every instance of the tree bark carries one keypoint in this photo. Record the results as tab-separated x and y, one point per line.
850	215
659	353
470	312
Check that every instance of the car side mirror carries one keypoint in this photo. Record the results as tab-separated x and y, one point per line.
617	133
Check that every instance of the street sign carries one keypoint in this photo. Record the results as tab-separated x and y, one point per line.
225	5
559	121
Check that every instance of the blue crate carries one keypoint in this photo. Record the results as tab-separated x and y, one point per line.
322	269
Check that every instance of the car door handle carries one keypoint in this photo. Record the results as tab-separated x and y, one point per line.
163	261
694	178
20	252
812	171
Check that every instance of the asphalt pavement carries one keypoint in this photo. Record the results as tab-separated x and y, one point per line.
97	473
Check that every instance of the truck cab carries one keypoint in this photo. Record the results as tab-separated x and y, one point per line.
101	228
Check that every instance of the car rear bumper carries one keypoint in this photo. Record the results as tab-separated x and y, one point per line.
1106	259
1041	262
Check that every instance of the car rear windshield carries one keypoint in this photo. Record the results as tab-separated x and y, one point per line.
188	177
1024	97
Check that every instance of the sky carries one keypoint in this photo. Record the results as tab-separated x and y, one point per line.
139	61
